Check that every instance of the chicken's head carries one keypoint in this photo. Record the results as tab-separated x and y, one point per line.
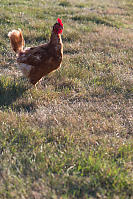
58	27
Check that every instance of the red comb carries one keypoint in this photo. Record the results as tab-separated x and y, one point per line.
60	22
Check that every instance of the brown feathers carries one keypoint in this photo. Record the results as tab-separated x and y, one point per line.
17	40
36	62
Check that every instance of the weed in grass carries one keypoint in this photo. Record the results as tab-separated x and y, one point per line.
65	3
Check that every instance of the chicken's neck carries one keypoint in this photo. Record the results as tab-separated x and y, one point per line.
55	39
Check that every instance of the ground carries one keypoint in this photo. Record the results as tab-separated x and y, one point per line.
72	136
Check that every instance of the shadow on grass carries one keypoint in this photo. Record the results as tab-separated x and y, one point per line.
65	4
98	20
32	40
10	91
26	107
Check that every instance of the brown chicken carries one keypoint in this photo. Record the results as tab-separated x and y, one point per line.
36	62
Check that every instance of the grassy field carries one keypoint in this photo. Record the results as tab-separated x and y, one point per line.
72	137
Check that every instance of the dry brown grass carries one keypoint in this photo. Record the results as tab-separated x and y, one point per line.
72	136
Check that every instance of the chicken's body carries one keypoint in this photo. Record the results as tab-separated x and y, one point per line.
36	62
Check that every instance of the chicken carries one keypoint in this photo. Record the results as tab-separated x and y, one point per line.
38	61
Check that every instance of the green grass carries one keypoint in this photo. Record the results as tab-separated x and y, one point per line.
72	136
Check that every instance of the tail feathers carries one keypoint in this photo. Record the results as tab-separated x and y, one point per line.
17	40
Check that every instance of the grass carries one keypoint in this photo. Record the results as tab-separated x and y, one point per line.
72	137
